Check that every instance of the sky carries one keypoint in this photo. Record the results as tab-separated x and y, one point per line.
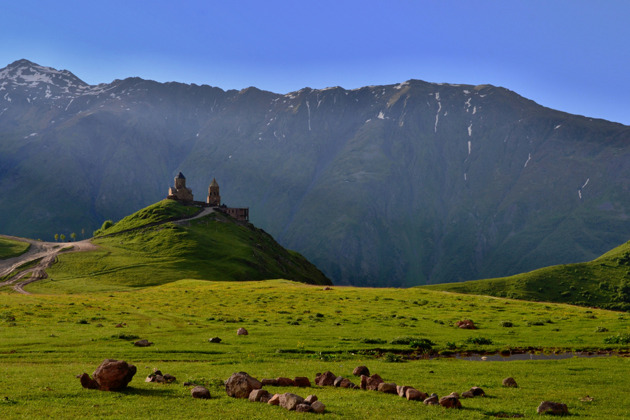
570	55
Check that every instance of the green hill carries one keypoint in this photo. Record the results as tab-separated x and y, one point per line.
603	282
150	247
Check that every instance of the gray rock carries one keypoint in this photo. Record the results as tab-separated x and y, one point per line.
290	401
318	407
550	407
200	392
259	395
510	383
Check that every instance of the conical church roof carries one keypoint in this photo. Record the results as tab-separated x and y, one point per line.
180	176
214	183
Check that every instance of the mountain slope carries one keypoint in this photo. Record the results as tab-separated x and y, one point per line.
401	185
149	248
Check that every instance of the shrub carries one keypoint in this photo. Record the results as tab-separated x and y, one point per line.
618	339
601	329
373	341
393	358
506	324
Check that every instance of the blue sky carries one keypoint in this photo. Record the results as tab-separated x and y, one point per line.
570	55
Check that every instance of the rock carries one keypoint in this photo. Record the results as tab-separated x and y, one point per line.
284	382
87	382
168	378
549	407
310	399
325	379
387	388
401	390
302	382
466	324
303	408
270	382
200	392
241	331
432	400
413	394
510	383
240	385
118	326
453	394
274	400
290	401
257	395
318	407
372	382
215	339
346	383
142	343
327	288
361	370
450	401
475	391
338	380
113	375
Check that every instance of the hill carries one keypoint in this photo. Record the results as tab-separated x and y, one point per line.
603	282
401	185
162	243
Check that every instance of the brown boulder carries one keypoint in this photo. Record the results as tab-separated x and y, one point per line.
274	400
241	331
270	382
284	382
466	324
290	401
303	408
413	394
346	383
325	379
387	388
302	382
372	382
338	380
87	382
142	343
475	391
361	370
113	375
401	390
240	385
200	392
510	383
450	401
318	407
259	395
549	407
310	399
432	400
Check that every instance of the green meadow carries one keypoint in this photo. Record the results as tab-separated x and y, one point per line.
10	248
299	330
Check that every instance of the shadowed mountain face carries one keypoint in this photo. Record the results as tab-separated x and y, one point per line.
393	185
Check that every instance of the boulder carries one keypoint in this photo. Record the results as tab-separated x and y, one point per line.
475	391
338	380
510	383
325	379
310	399
87	382
372	382
113	375
259	395
285	382
290	401
432	400
450	401
270	382
466	324
240	385
346	383
361	370
318	407
142	343
168	378
241	331
401	390
413	394
303	408
200	392
388	388
550	407
274	400
302	382
214	340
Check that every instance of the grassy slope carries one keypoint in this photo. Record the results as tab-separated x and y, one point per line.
603	282
296	330
214	247
10	248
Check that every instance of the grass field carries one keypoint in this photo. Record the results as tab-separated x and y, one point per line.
299	330
10	248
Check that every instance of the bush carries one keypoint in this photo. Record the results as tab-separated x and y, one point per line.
373	341
506	324
422	344
393	358
618	339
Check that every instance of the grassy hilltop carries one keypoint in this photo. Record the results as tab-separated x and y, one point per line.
148	248
603	282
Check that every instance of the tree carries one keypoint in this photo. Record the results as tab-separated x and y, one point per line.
83	233
56	237
62	237
73	236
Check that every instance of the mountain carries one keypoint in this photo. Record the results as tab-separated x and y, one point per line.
168	241
399	185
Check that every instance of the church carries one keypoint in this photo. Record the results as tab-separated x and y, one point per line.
181	193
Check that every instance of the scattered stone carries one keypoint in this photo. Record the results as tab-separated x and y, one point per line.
550	407
402	390
200	392
168	378
257	395
303	408
466	324
510	383
142	343
214	340
87	382
240	385
118	326
325	379
327	288
274	400
285	382
241	331
302	382
450	401
188	384
361	370
453	394
338	380
318	407
290	401
432	400
310	399
413	394
111	375
475	391
388	388
371	382
270	382
346	383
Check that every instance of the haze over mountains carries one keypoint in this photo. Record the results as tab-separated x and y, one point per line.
392	185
